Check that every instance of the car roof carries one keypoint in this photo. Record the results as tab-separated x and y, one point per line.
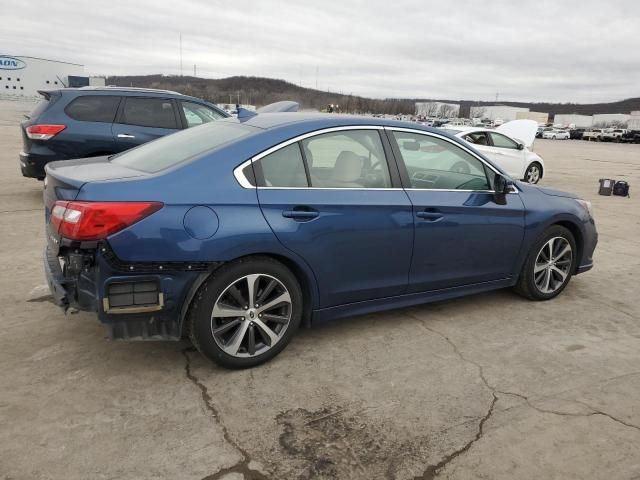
317	120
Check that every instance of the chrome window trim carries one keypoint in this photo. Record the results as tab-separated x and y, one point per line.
244	182
462	147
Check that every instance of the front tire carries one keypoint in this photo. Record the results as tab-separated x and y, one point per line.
246	313
549	265
533	174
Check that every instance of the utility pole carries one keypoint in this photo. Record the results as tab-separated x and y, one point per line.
194	70
180	53
317	76
497	94
238	96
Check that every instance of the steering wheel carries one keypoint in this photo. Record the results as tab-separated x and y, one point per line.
460	167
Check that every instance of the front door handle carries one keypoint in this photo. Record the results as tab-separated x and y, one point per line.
125	135
429	216
301	215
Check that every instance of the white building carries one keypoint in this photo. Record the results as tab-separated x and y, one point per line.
497	112
24	76
608	119
540	117
634	121
579	121
437	109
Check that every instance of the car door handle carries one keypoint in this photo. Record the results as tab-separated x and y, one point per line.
125	135
301	215
429	216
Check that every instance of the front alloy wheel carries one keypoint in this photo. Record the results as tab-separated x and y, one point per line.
553	265
549	265
533	173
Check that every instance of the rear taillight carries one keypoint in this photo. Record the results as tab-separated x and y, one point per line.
96	220
44	132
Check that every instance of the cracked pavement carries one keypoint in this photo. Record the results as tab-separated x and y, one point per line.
490	386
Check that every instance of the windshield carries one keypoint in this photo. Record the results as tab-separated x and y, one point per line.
179	147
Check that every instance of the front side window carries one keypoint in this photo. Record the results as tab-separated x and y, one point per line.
197	114
346	159
93	108
283	168
434	163
149	112
501	141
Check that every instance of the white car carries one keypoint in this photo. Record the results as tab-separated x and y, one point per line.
556	134
509	146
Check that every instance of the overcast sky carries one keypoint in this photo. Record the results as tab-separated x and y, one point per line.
564	51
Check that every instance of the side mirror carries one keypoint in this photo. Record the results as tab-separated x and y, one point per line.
521	146
502	184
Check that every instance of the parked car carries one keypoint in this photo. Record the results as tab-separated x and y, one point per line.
613	134
236	232
510	149
556	134
594	134
576	133
631	136
93	121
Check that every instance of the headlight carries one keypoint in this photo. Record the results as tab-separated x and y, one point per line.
586	205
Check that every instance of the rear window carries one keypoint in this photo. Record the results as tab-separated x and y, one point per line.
93	108
178	147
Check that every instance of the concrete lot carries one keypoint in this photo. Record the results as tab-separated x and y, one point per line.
490	386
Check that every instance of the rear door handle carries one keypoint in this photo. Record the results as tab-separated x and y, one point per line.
125	135
429	216
301	215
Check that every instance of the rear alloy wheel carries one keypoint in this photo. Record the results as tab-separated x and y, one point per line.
533	173
246	313
549	266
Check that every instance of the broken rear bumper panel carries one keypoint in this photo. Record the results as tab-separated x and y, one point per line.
135	302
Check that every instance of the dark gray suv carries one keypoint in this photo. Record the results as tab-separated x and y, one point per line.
95	121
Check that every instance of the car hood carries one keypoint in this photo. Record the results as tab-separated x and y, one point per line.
553	192
523	130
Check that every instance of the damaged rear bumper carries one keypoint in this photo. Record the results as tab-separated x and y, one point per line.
134	301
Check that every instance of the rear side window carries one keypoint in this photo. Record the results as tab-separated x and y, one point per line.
176	148
93	108
149	112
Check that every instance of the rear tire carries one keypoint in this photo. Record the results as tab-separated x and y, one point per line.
246	313
549	265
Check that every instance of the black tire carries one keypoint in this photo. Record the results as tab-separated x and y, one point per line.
200	322
526	285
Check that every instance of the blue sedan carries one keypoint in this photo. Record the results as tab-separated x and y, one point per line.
236	232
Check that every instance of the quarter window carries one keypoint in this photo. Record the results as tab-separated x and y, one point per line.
434	163
346	159
501	141
196	114
283	168
93	108
149	112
